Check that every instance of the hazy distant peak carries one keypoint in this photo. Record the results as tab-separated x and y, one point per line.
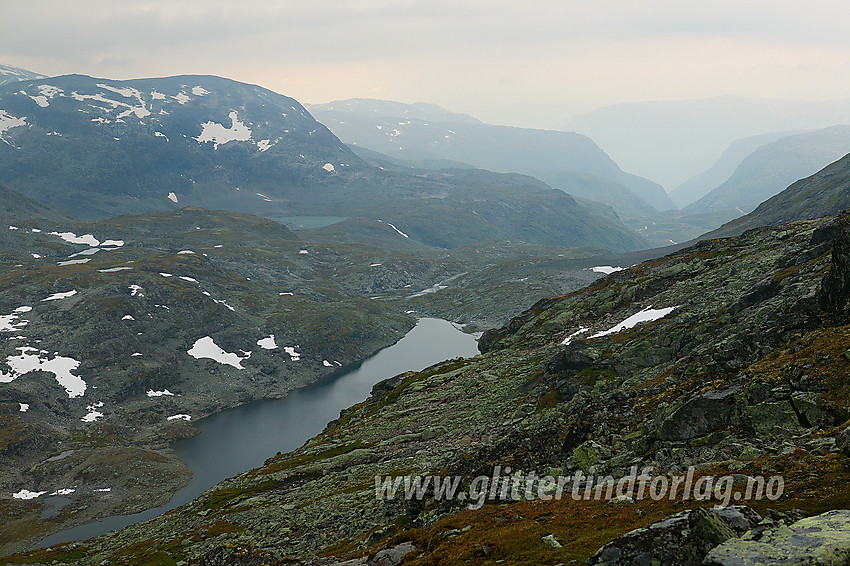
371	107
700	185
671	141
10	74
774	166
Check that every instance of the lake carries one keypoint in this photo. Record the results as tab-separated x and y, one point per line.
243	438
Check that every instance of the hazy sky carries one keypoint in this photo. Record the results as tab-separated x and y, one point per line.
529	62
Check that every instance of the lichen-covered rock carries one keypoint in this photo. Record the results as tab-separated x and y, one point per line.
682	539
842	441
739	517
701	415
824	539
550	540
587	454
392	556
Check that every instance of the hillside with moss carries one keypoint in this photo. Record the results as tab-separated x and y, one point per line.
121	303
742	370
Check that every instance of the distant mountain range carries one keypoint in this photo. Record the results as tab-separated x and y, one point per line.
671	141
772	167
372	108
700	185
403	131
825	192
582	185
93	148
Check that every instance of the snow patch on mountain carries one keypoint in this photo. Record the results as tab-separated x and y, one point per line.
163	393
13	322
140	111
397	230
219	135
206	348
72	238
646	315
59	296
7	122
61	367
46	94
606	269
93	414
27	494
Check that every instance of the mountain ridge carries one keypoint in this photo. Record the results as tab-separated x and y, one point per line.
544	154
700	185
827	191
671	141
95	147
10	74
773	167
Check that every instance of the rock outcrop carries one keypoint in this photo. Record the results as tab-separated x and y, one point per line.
835	289
683	539
821	540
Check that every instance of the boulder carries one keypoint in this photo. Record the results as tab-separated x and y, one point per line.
701	415
824	539
587	454
550	540
842	441
682	539
392	556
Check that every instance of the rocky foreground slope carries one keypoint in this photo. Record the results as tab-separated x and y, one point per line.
741	370
97	322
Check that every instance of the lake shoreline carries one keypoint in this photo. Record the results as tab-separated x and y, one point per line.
321	401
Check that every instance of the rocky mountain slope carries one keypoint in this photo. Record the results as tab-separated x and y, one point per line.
772	167
113	335
700	185
825	192
728	356
93	148
97	322
629	207
394	130
14	206
127	146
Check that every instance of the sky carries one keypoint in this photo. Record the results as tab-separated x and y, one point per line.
532	63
